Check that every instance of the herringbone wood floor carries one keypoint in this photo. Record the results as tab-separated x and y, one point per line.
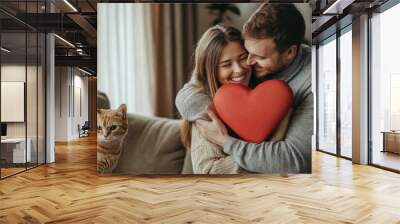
70	191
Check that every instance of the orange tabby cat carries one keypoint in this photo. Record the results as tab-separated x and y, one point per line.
112	129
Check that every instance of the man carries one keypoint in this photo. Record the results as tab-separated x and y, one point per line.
273	37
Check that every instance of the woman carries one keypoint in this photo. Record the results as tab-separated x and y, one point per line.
220	58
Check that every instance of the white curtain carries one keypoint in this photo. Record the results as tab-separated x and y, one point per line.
125	55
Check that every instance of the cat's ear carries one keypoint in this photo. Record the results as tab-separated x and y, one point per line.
122	110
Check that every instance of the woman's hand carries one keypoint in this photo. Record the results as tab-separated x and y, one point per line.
214	130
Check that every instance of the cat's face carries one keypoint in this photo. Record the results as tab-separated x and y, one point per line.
112	124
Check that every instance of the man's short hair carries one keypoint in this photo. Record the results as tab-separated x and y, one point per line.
282	22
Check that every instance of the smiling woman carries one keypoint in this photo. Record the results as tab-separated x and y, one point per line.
232	67
220	58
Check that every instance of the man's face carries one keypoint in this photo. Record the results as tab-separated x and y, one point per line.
265	57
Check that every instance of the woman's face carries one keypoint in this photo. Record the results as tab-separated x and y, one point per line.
232	66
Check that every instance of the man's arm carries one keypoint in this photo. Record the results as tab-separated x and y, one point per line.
291	155
192	102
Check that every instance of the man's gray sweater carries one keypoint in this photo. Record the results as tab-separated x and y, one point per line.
293	153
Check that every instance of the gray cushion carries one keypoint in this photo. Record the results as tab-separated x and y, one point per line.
152	146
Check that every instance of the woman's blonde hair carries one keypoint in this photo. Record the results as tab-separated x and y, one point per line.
205	72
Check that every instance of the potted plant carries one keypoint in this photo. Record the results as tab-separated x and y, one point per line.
220	10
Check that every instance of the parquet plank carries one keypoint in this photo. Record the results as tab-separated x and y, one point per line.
70	191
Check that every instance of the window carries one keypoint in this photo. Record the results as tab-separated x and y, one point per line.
22	66
327	95
125	56
346	92
329	112
385	88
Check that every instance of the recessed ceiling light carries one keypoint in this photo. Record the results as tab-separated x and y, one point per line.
70	5
333	6
84	71
338	6
5	50
64	40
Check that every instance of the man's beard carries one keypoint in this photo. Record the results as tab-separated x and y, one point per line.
271	75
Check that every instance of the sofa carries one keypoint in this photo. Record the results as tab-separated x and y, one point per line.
152	146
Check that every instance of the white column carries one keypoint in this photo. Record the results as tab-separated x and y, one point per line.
360	90
50	92
50	101
314	90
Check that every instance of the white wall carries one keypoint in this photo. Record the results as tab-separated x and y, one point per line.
79	117
70	83
12	73
34	125
61	103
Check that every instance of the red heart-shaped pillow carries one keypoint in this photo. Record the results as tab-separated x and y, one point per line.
253	114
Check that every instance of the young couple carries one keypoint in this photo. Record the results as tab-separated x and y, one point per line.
270	48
